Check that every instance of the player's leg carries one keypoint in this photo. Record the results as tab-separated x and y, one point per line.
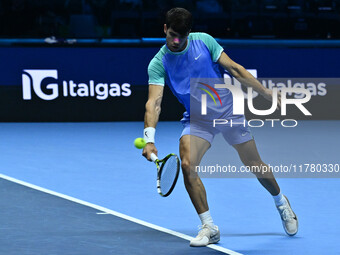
250	157
239	136
192	149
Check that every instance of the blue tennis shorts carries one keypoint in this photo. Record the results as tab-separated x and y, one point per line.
235	134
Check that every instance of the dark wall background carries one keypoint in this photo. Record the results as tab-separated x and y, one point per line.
145	18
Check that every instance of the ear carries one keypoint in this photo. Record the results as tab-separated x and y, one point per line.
165	28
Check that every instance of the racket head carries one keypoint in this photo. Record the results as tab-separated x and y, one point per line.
168	171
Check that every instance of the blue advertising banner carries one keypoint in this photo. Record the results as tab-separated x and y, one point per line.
107	84
289	62
122	65
110	65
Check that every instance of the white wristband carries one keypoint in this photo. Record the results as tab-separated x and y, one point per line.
149	134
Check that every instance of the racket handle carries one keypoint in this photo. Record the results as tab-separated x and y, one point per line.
153	157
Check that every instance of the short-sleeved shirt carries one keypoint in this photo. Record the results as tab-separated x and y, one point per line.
197	60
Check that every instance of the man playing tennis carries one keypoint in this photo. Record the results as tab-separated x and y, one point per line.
191	55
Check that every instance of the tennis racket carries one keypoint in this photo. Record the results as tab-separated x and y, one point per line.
167	173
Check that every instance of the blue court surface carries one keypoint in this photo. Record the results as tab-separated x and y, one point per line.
82	188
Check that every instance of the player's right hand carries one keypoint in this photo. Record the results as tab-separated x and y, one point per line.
148	149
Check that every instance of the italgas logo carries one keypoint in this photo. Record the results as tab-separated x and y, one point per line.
34	80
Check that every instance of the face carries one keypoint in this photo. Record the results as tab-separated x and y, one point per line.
174	40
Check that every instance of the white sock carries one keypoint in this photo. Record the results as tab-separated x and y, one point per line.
206	218
279	199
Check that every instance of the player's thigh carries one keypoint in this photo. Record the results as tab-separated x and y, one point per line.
248	152
192	149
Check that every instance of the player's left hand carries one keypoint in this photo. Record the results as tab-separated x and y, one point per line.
268	94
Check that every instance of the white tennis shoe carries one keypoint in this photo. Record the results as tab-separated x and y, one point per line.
289	220
207	235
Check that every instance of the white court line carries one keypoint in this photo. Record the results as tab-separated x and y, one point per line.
120	215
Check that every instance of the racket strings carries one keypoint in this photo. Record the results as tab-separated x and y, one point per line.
168	174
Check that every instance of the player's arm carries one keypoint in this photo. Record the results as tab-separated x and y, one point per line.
153	106
152	111
244	77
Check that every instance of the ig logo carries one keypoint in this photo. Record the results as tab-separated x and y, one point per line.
34	78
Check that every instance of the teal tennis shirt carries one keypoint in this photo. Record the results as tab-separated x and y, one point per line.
198	60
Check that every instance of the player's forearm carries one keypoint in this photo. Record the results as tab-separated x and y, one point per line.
245	78
152	111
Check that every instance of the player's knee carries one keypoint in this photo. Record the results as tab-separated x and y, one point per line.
257	167
251	163
185	164
188	170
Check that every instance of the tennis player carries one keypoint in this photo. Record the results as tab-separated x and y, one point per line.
190	55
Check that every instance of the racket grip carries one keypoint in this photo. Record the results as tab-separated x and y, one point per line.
153	157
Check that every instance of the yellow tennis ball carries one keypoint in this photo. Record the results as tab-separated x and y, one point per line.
139	143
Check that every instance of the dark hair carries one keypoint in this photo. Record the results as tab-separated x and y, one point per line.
179	19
